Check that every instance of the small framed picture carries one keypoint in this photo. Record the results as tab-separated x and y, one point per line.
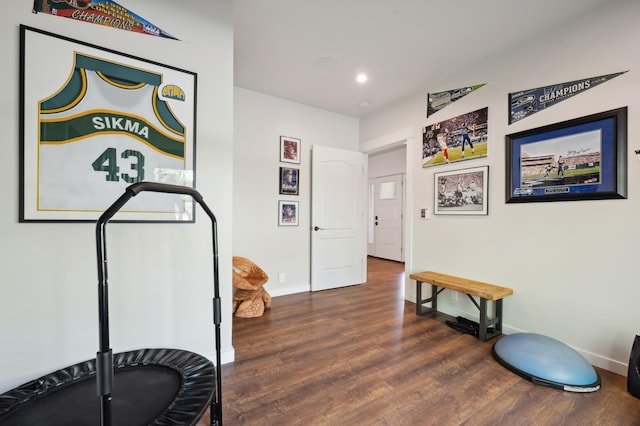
462	191
287	213
289	150
289	179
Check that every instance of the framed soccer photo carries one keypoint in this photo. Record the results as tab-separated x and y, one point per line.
287	213
289	150
289	179
462	192
580	159
94	121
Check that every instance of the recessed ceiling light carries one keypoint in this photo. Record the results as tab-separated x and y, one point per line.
361	78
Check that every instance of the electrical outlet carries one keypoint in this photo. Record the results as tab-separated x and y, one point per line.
282	277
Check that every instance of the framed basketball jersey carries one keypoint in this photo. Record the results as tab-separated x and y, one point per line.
95	121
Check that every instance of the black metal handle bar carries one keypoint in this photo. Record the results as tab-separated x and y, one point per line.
133	190
104	358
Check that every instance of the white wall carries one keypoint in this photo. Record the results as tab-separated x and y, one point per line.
161	290
260	120
572	265
388	163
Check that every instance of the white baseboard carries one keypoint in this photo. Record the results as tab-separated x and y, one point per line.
285	291
226	357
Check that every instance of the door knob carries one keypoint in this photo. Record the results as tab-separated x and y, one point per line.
317	228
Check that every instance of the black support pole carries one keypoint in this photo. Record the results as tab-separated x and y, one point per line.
104	357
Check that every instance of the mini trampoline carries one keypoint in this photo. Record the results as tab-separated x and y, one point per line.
167	387
546	361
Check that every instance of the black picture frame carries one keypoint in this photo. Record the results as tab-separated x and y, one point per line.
579	159
289	181
100	121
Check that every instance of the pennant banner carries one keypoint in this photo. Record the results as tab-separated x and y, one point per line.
100	12
439	100
527	102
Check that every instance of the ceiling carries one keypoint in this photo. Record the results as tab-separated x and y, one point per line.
310	51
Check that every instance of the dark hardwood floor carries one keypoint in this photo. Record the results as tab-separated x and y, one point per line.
360	356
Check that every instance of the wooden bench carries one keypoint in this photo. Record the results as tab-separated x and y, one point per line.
471	288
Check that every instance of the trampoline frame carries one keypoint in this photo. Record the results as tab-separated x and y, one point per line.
192	368
104	358
196	372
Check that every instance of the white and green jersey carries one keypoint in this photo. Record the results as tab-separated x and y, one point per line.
107	124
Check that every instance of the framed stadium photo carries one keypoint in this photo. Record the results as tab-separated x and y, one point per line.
580	159
462	192
94	121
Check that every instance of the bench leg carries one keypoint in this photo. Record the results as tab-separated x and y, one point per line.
497	326
483	334
434	297
420	310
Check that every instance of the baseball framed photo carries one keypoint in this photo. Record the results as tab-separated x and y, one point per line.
580	159
289	150
94	121
289	181
287	213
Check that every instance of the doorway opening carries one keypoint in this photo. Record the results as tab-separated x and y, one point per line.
385	227
386	224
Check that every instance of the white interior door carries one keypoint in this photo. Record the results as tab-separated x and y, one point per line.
386	217
338	218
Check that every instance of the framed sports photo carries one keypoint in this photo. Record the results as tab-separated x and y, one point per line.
289	181
94	121
287	213
460	138
580	159
289	150
462	192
